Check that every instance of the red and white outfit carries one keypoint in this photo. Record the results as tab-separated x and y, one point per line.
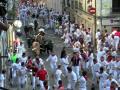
41	74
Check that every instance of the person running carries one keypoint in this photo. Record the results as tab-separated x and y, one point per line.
22	76
58	74
53	62
42	74
75	62
72	79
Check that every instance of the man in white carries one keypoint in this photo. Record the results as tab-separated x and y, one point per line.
102	75
20	49
58	74
100	53
95	69
64	63
14	70
23	58
103	62
72	79
83	81
53	62
108	82
22	75
88	38
98	33
116	41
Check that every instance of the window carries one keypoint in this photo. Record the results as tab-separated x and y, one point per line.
68	3
76	4
72	4
116	6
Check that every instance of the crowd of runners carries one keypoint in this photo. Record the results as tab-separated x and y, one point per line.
89	66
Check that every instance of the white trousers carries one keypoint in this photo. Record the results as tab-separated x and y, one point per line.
41	85
65	71
71	85
116	41
33	82
76	69
53	67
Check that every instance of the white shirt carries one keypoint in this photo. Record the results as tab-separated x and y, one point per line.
97	35
15	68
52	59
104	64
22	72
100	54
72	77
58	74
82	83
103	76
64	61
88	38
23	59
96	67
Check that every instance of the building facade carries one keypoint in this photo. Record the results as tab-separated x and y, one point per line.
95	14
55	4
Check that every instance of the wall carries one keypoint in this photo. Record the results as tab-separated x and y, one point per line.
55	4
103	7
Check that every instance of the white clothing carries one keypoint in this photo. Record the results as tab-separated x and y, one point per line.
104	64
95	70
15	67
23	59
116	41
98	35
82	83
103	78
22	75
2	79
53	62
58	74
76	69
65	63
88	38
21	49
108	83
100	54
72	79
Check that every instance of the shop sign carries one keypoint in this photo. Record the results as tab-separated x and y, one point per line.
111	21
92	10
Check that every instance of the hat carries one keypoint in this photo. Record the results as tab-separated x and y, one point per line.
31	24
41	30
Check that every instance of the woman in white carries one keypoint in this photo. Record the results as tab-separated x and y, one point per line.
53	62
